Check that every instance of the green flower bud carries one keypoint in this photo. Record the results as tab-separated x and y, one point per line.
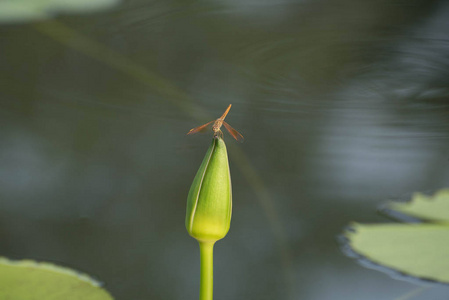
209	204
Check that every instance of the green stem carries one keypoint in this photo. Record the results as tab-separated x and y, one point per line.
207	267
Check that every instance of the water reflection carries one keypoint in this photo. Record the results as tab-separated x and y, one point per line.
342	105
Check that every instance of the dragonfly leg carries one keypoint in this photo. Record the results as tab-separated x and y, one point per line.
218	133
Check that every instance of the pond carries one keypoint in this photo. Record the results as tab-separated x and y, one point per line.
343	104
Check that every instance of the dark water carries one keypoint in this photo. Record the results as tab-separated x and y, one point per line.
343	105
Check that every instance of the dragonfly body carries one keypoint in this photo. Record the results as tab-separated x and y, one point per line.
216	127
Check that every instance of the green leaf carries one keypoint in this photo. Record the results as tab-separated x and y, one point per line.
434	209
419	250
17	11
30	280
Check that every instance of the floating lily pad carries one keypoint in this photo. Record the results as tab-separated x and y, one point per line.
418	250
18	11
31	280
423	207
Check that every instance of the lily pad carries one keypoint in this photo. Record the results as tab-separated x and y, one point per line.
413	250
19	11
30	280
423	207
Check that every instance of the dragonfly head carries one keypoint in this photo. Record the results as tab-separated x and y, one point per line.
217	133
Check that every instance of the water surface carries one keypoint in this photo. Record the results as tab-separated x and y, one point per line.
343	105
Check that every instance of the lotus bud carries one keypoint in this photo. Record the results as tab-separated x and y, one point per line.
209	203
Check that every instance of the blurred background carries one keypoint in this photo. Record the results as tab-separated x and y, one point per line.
343	104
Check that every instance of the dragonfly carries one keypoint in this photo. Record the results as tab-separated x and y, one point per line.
217	125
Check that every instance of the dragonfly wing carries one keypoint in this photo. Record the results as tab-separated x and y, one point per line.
235	134
201	128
